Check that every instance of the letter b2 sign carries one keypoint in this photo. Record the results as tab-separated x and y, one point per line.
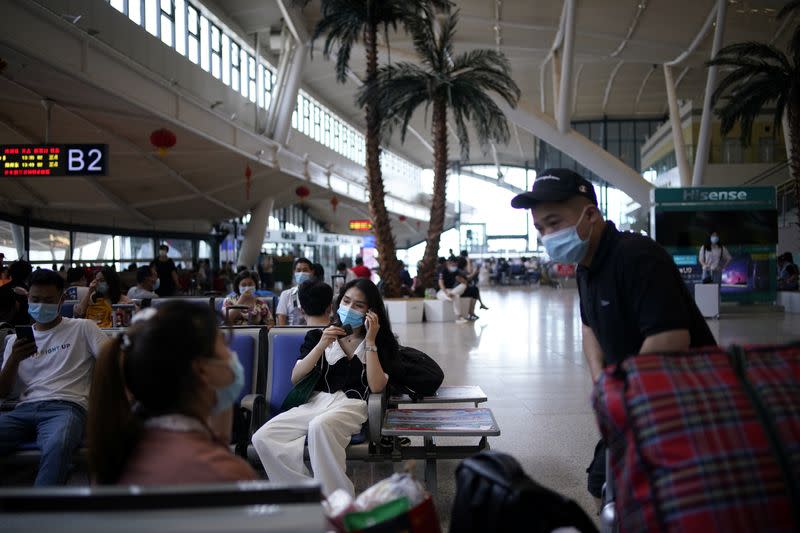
86	160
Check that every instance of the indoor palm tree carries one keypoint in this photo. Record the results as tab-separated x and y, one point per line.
344	23
443	82
762	74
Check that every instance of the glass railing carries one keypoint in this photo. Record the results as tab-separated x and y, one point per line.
764	152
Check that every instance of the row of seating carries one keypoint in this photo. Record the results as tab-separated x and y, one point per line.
268	356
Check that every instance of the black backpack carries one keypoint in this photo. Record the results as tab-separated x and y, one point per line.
414	373
493	493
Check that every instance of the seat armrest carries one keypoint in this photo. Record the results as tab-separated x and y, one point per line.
256	405
376	407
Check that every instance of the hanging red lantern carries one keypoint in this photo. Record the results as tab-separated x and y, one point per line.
302	192
248	174
334	203
163	140
401	218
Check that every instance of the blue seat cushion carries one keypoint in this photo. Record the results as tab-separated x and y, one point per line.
285	351
68	309
245	348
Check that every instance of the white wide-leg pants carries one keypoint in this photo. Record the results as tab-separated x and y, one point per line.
329	420
455	296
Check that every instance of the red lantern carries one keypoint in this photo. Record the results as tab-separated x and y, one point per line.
163	140
401	218
334	203
248	173
302	192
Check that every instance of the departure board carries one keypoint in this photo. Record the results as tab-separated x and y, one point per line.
30	160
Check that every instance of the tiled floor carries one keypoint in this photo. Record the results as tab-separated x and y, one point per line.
525	352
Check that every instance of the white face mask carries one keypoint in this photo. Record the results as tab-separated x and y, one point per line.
247	288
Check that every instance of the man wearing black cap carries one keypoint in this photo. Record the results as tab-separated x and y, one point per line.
633	299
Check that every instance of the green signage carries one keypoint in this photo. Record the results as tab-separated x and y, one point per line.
714	198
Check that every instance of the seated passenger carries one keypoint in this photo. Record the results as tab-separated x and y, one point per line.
52	374
158	391
104	292
451	289
245	294
76	284
147	283
338	407
289	312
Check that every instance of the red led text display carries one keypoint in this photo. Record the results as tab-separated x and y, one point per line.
26	160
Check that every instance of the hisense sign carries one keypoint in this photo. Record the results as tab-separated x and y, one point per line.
698	195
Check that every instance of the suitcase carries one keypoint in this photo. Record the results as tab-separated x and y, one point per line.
707	440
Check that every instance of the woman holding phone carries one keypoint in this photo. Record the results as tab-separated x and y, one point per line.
350	369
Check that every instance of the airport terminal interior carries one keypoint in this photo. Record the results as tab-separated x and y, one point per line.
243	135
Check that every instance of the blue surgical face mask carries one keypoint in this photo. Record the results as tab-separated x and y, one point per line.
229	393
102	288
452	269
157	284
714	239
350	316
300	277
566	246
43	313
247	288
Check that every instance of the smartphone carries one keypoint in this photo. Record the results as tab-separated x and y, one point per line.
24	332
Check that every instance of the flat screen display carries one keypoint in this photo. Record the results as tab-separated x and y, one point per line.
692	228
29	160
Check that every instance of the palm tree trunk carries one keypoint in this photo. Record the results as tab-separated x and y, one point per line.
791	134
439	203
387	255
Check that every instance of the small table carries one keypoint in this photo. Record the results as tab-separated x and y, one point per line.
446	394
431	423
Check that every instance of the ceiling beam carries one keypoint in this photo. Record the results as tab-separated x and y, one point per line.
642	86
493	181
610	84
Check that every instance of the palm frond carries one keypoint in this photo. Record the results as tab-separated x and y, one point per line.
479	109
750	52
788	8
447	35
734	80
744	105
423	37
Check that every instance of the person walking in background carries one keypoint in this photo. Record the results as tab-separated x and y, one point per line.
714	257
167	272
360	271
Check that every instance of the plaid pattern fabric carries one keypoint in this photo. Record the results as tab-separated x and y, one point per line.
689	451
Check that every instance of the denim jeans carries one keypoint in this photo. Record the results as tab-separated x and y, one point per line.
57	428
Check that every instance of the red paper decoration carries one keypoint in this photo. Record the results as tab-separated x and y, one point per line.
401	218
163	139
302	192
248	174
334	203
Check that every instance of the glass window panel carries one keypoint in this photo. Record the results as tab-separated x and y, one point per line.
180	27
597	133
204	250
12	241
93	248
226	60
166	6
295	124
582	128
612	129
193	50
193	20
180	251
216	65
205	47
151	16
166	31
243	71
626	131
49	246
235	62
119	5
135	11
215	38
136	249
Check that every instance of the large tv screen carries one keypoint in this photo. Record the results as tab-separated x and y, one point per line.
691	228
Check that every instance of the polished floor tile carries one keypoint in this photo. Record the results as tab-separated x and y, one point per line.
525	352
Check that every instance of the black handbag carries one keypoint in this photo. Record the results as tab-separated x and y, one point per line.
414	373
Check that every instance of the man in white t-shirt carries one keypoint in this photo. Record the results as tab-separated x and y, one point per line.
52	374
147	283
289	312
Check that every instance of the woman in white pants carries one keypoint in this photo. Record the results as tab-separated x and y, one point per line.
350	368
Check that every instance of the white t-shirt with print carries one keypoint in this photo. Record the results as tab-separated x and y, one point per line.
289	305
62	367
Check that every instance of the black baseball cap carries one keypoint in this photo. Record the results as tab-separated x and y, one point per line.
555	185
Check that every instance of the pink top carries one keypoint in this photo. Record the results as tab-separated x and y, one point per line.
166	457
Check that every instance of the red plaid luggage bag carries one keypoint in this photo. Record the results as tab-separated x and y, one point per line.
707	440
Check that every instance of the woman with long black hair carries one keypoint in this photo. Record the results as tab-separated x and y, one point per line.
351	368
713	258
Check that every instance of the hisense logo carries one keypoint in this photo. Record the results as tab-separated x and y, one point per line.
695	195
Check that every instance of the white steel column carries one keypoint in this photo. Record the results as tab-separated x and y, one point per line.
704	140
255	233
283	119
556	80
567	60
677	129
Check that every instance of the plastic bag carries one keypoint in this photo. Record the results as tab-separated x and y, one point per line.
394	487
